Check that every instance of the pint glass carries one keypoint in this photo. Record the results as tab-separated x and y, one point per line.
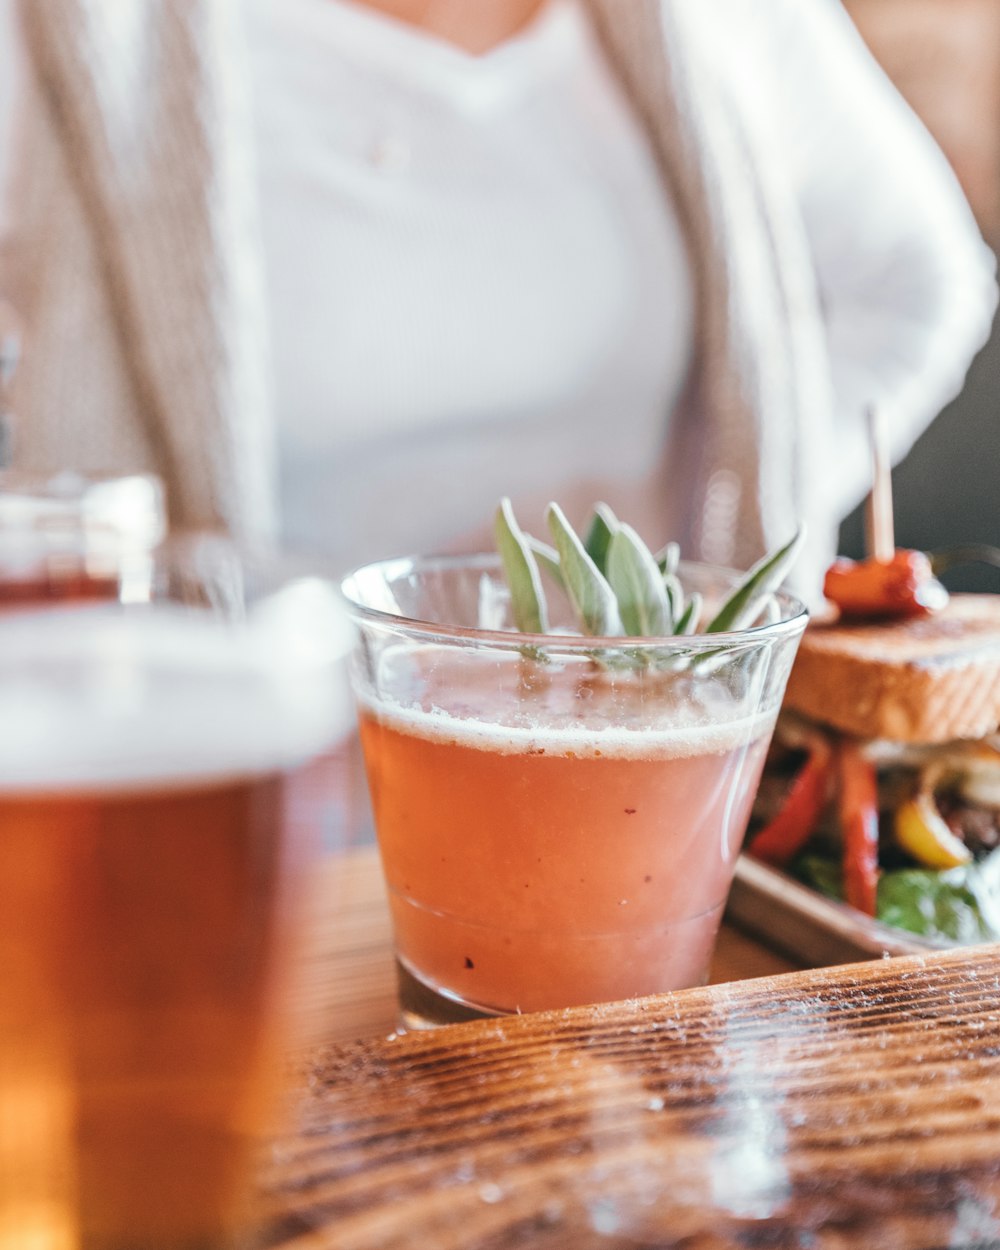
155	762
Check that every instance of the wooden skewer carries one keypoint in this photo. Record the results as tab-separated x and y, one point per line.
880	535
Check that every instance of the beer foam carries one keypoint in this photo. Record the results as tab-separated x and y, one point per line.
613	741
97	697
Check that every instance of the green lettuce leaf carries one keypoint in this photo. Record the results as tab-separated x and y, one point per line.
960	904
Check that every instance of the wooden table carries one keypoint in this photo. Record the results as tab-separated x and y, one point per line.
848	1107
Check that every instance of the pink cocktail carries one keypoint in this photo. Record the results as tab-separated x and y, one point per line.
558	820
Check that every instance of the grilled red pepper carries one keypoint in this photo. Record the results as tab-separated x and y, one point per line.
859	827
873	589
784	836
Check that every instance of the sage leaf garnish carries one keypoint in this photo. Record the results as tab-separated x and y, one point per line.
688	620
587	587
603	524
668	558
744	604
618	588
548	560
675	595
527	599
633	575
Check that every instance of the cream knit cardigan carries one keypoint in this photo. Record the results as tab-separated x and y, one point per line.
138	223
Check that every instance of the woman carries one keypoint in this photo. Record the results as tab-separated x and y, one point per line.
663	252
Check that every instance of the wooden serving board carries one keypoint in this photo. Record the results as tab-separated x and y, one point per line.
852	1106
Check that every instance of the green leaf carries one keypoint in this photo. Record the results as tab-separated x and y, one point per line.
638	585
742	606
548	560
687	622
668	558
824	875
933	904
526	595
603	524
960	904
675	597
586	585
618	588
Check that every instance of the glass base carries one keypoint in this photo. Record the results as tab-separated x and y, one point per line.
423	1007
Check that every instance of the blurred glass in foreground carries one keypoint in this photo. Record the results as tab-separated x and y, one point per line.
78	536
157	765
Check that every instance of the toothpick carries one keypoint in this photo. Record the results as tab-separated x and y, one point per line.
881	538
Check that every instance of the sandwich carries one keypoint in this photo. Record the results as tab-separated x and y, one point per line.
882	786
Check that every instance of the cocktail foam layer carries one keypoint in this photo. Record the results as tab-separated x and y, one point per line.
98	698
612	741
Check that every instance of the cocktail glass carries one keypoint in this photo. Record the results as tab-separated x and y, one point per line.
157	807
558	816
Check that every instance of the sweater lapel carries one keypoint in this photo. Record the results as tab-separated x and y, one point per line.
762	367
140	98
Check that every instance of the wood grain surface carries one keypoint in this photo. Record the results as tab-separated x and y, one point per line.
855	1106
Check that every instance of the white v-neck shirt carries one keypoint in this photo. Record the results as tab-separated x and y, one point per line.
477	282
478	285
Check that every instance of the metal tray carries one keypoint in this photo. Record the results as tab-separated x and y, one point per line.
808	928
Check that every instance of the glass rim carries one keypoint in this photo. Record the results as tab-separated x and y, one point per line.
794	617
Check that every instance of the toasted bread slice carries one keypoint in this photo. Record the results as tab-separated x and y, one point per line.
926	679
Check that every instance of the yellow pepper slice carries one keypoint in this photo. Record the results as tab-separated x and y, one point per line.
921	829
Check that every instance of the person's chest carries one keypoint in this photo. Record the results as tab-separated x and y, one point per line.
457	244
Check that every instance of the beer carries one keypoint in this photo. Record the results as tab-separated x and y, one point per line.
57	582
151	774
